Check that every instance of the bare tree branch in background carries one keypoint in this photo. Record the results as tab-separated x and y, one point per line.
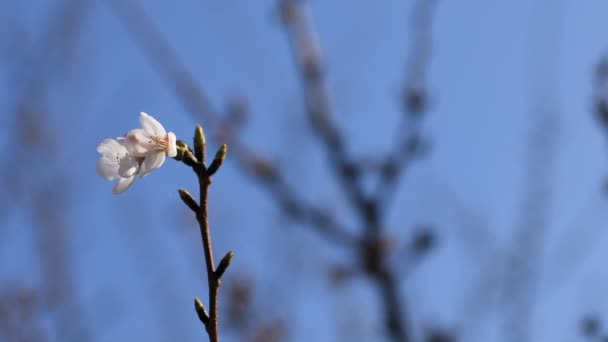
533	223
601	93
373	254
306	51
408	142
20	309
57	291
592	324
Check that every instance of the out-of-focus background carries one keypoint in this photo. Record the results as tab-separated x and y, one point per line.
398	171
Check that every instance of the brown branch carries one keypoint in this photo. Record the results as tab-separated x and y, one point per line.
203	174
212	279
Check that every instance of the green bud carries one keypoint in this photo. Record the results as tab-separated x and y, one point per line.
199	143
188	200
220	156
200	311
182	148
199	136
181	144
224	263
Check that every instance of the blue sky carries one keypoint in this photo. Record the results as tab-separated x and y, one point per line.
495	66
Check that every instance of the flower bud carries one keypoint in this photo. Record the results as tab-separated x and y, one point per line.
224	263
182	148
188	200
220	156
199	143
200	311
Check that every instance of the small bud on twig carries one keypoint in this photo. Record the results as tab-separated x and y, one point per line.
184	153
415	100
200	311
187	198
224	263
220	156
182	148
424	240
199	143
181	144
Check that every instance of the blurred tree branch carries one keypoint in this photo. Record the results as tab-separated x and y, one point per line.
533	221
408	142
56	294
372	250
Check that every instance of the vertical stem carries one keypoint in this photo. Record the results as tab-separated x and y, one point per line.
375	263
395	318
213	282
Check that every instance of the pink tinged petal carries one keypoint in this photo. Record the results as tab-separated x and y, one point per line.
171	148
107	168
139	143
153	161
123	184
128	166
151	126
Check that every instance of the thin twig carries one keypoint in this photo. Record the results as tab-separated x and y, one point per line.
408	143
306	52
203	174
319	219
212	279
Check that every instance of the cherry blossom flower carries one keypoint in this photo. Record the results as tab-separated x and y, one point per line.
151	142
116	162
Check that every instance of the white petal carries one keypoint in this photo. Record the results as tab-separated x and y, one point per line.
171	148
150	125
139	143
107	168
110	147
153	161
123	184
128	166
